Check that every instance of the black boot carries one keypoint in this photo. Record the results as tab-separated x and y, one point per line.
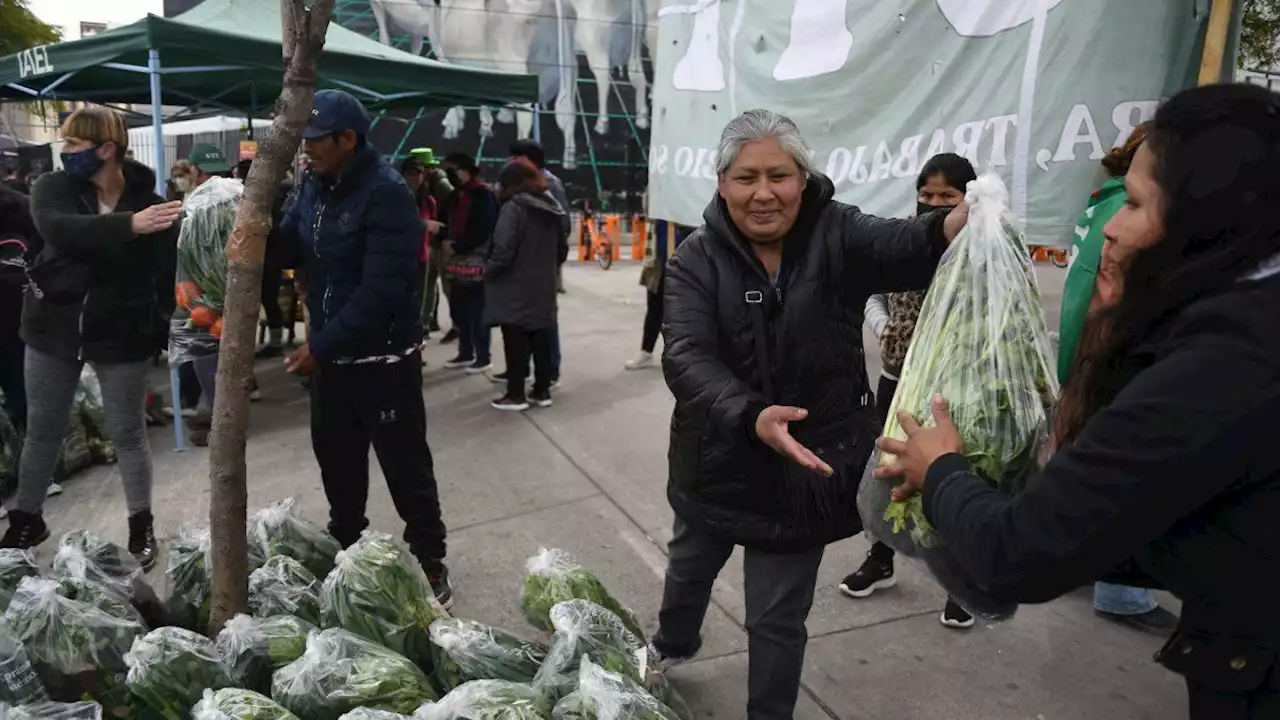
26	530
438	576
142	539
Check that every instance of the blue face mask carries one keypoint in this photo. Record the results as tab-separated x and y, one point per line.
82	165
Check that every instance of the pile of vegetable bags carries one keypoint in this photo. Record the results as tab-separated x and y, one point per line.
200	288
980	342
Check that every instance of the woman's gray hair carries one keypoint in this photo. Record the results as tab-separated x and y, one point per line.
758	124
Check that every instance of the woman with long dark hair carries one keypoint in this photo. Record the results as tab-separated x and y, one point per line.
1167	474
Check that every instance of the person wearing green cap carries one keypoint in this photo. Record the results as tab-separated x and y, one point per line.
207	161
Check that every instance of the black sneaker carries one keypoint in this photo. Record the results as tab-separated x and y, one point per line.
1156	622
439	580
459	362
142	539
509	404
542	400
956	617
268	352
26	531
498	378
479	366
449	337
875	574
666	660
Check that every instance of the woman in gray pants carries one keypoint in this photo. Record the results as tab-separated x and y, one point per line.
101	292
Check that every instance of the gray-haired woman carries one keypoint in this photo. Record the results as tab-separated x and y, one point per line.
774	420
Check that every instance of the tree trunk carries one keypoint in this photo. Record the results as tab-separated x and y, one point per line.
303	39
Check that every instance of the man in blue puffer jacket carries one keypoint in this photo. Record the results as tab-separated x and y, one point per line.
359	232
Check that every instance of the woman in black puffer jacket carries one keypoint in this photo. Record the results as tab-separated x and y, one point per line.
762	329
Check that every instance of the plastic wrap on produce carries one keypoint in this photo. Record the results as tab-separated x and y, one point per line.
488	700
605	695
169	668
284	587
200	285
254	648
238	704
553	576
475	651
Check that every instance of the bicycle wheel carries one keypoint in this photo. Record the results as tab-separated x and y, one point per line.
1059	258
604	256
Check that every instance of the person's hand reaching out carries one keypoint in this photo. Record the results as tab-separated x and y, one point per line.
772	429
921	448
156	218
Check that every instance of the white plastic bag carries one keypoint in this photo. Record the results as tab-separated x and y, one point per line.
237	704
487	700
604	695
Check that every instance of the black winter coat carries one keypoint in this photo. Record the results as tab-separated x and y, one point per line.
16	224
721	477
1176	482
529	243
99	292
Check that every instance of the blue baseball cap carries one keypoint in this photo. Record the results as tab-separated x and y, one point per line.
335	111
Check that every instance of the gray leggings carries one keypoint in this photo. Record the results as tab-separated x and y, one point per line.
51	388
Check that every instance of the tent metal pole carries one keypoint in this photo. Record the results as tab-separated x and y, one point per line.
253	107
537	123
157	129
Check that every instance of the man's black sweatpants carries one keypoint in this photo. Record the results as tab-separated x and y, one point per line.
355	406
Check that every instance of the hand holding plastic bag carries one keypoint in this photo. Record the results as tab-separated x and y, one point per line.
284	587
604	695
488	700
981	343
169	667
254	648
476	651
340	672
278	529
237	704
552	577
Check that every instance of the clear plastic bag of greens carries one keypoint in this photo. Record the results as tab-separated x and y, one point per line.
107	599
82	555
200	284
169	667
52	711
77	650
10	450
15	564
980	342
605	695
254	648
488	700
475	651
190	579
284	587
19	683
278	529
584	629
371	714
552	577
238	704
379	593
341	671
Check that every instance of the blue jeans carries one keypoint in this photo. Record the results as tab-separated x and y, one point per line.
1122	599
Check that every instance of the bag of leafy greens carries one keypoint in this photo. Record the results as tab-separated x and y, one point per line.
552	577
19	683
168	668
475	651
980	342
237	704
76	649
52	711
104	598
15	564
284	587
200	283
604	695
371	714
379	593
278	529
190	579
586	630
341	671
82	555
488	700
254	648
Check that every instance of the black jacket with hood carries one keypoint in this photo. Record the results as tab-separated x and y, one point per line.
98	291
722	478
529	243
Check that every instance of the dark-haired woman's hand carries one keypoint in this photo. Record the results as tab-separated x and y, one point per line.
955	221
921	448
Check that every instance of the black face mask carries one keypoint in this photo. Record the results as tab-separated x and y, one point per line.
924	208
452	175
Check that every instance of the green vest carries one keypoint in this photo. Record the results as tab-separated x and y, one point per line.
1082	273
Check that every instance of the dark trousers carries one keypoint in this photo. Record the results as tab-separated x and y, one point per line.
12	383
518	344
271	277
779	593
355	406
467	300
884	398
1208	704
188	386
652	320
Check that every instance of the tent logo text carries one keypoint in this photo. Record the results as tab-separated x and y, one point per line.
34	61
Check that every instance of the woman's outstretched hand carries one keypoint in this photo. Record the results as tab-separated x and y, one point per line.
772	429
920	449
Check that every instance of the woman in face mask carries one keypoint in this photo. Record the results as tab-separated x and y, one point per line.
101	292
179	181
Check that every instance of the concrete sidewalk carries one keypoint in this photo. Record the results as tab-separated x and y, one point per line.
588	475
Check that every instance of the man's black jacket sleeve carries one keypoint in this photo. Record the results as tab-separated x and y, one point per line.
1196	423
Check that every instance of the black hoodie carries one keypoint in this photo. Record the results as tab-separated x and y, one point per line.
721	477
98	291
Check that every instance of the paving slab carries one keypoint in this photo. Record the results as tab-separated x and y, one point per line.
717	688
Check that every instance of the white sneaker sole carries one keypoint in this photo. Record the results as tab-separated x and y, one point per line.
953	623
884	584
543	403
478	370
510	408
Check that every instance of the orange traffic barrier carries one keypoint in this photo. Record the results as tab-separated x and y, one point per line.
613	232
639	237
586	225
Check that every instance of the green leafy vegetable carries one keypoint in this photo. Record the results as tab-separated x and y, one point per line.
169	667
341	671
371	714
237	704
15	564
604	695
200	284
284	587
475	651
254	648
279	530
19	683
190	581
87	557
552	577
488	700
378	593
